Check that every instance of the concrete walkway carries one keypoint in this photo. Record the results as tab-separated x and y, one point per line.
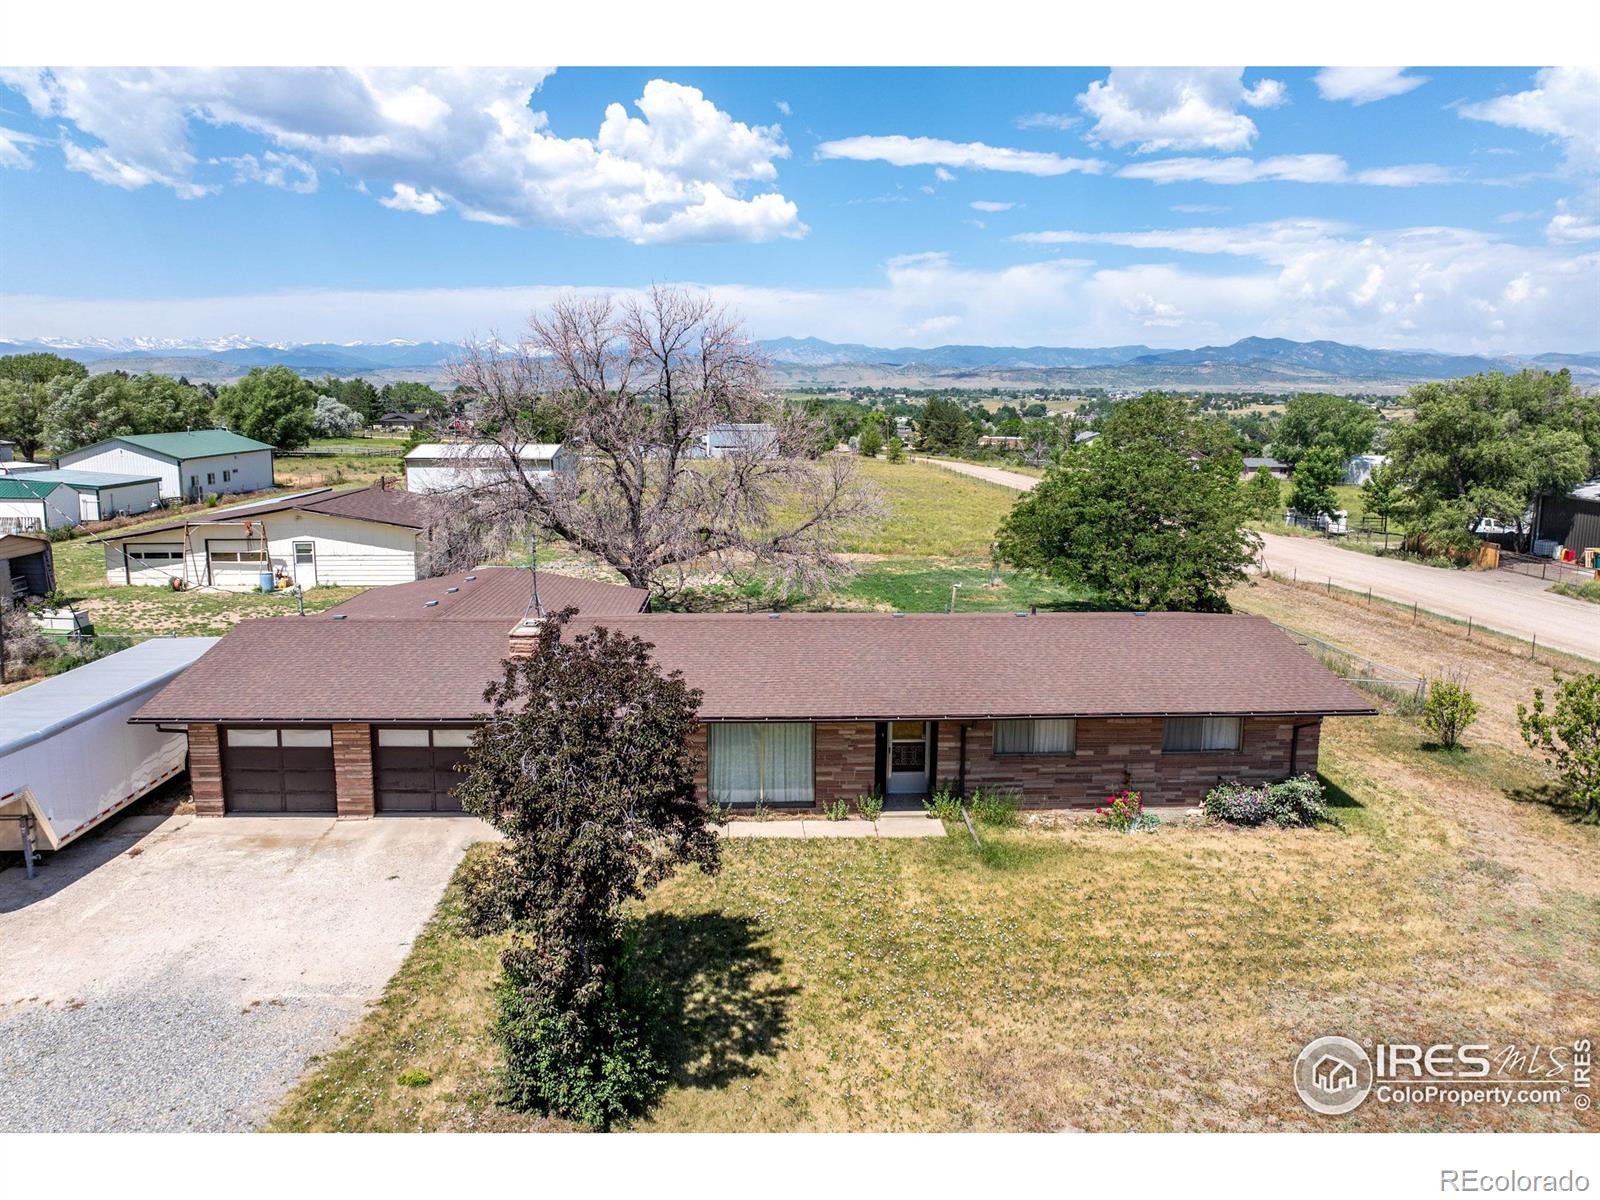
1499	600
890	825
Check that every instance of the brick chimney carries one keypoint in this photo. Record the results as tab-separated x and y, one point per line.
524	637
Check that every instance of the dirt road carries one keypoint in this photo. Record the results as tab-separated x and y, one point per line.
1499	600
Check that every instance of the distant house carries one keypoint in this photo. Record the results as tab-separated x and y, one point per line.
442	466
1084	437
757	439
189	465
1002	441
27	567
1278	470
26	506
102	496
352	538
404	420
1360	468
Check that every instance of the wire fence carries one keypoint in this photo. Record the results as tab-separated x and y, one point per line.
1405	690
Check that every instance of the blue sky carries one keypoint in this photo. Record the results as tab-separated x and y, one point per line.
1449	208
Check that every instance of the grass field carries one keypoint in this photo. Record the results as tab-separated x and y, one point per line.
923	585
932	512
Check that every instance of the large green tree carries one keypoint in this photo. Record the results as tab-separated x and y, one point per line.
354	393
40	368
584	766
86	411
272	405
22	408
1487	445
945	427
410	396
1320	468
1150	515
1312	418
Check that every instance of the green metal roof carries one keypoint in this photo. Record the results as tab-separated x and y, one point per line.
199	443
12	488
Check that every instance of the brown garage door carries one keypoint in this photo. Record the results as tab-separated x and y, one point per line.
416	768
278	771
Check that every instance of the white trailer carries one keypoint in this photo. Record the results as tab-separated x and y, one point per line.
68	757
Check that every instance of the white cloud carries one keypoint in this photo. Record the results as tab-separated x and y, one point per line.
1291	168
783	107
408	199
1363	85
904	151
1199	208
944	176
680	170
1576	222
1046	120
14	147
1449	289
273	169
1563	104
1177	108
993	206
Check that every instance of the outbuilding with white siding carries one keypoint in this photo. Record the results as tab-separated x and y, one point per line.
190	465
443	466
29	506
102	496
360	537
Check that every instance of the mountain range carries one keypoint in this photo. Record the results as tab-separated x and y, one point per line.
1252	362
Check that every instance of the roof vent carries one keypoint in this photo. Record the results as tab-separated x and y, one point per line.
452	589
430	604
773	616
897	615
340	616
470	578
1019	614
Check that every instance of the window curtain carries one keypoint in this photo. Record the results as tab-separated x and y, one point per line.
1202	733
1035	737
770	763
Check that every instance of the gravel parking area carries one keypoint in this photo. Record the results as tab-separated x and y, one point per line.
169	973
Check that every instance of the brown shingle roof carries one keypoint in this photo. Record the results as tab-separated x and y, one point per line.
384	506
838	666
491	592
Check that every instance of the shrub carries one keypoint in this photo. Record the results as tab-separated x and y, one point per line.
414	1078
1125	813
719	812
870	806
488	890
1291	802
944	804
896	450
836	810
1450	708
212	500
595	1065
1569	737
997	808
1298	801
761	811
1237	804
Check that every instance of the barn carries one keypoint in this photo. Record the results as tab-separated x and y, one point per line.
189	465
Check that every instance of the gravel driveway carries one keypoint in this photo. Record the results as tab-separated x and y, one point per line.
1501	600
177	974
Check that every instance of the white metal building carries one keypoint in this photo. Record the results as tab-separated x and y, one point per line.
26	505
360	537
102	496
441	466
1360	468
189	465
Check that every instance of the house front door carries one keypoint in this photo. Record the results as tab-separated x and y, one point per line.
908	759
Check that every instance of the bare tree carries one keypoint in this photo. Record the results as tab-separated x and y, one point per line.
639	386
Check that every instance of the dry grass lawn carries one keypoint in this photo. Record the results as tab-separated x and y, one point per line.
1074	979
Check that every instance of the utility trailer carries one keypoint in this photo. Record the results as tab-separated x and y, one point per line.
68	757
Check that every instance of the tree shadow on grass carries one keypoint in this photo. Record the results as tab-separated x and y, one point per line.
723	1010
1552	796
